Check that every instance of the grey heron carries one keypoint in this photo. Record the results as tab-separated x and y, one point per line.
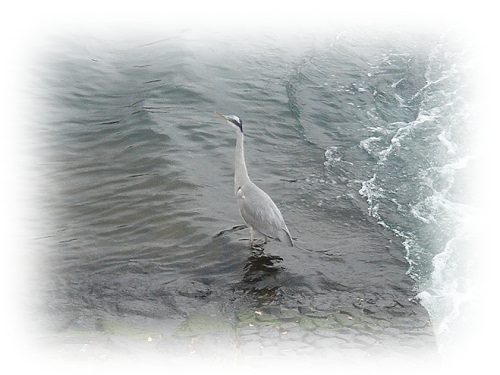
257	209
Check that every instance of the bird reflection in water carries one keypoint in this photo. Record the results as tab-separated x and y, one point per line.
260	277
260	271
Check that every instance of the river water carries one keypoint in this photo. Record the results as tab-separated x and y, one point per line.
360	138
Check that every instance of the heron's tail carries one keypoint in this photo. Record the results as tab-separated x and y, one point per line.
285	237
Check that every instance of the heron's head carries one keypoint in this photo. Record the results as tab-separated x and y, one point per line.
232	120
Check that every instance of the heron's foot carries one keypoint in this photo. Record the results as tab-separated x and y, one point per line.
258	244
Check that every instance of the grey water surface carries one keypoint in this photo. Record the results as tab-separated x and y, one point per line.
138	245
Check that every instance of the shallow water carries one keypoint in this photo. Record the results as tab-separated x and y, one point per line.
359	139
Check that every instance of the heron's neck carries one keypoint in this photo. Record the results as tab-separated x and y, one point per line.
240	169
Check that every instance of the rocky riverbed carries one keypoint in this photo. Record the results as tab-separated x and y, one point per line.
367	330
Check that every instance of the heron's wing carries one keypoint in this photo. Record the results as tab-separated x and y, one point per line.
259	211
285	236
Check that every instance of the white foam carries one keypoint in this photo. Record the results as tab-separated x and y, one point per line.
369	145
437	230
450	146
448	291
373	192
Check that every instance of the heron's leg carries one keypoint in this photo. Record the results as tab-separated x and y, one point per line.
265	239
251	236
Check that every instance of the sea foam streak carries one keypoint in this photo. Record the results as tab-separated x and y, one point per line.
417	189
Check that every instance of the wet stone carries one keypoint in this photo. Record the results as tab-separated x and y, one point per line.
289	316
303	310
307	324
292	335
318	314
289	326
248	330
392	331
310	338
266	341
194	289
325	332
388	340
322	305
345	320
264	317
271	310
348	337
365	339
249	337
269	332
370	309
383	324
201	324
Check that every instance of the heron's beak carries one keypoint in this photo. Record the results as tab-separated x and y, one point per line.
221	115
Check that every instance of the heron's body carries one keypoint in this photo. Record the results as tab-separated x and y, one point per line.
256	207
